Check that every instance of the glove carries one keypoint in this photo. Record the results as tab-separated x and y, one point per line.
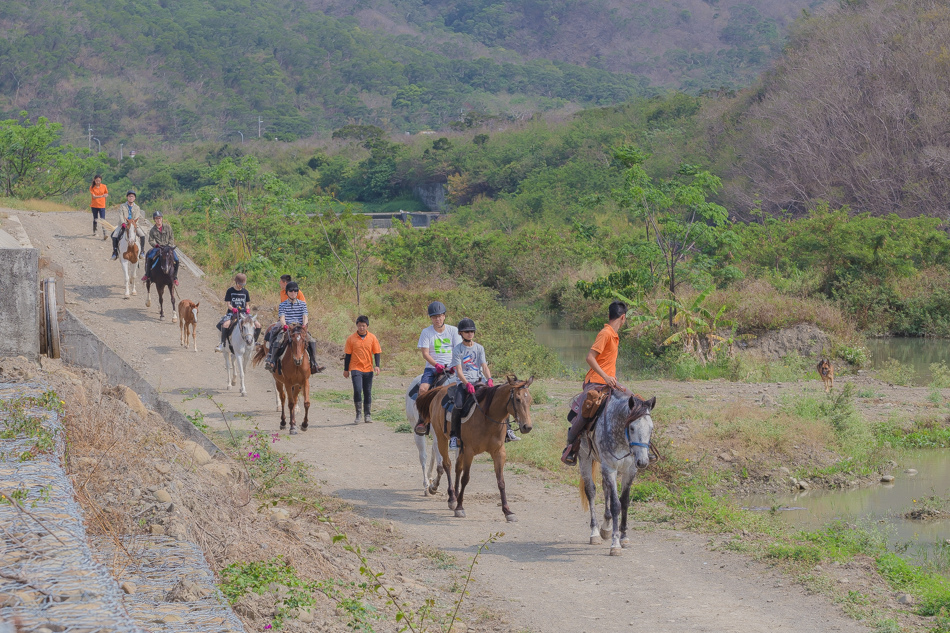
234	310
124	225
439	368
247	310
469	387
491	383
286	327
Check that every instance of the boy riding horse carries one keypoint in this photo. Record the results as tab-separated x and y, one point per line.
160	235
237	299
129	212
291	312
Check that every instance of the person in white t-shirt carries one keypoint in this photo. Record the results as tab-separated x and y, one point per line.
436	343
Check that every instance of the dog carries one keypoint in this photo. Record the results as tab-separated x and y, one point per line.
188	315
827	372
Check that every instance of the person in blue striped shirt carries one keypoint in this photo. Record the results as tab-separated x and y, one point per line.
292	312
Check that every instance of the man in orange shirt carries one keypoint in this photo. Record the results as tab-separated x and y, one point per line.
361	363
99	193
284	280
602	359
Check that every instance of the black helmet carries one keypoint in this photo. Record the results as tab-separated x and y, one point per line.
131	193
292	286
157	214
466	325
436	308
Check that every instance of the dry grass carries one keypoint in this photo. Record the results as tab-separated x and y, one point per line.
42	206
760	432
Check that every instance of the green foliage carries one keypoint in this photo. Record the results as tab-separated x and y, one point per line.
33	164
932	591
895	372
24	420
269	468
242	578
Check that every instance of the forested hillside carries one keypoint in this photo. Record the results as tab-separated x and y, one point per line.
146	72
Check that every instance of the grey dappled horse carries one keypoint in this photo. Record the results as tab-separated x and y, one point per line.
427	451
621	444
240	349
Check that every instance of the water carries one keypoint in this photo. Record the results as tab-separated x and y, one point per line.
882	504
918	353
571	346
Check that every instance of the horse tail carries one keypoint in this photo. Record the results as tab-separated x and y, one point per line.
594	467
423	402
259	354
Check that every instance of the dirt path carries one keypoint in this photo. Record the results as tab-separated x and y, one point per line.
542	573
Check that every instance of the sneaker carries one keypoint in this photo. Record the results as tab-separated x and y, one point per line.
511	437
367	419
219	348
453	443
115	255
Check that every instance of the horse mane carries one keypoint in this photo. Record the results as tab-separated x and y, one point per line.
423	402
638	410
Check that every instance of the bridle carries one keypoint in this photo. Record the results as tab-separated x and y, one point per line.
246	318
509	406
294	337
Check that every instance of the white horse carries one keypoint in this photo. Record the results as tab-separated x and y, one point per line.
427	451
129	250
240	349
620	442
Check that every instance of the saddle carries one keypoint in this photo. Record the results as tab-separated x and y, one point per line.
589	402
439	381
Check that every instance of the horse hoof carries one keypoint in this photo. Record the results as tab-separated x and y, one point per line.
127	296
594	540
148	303
161	317
293	430
624	542
510	518
452	504
304	427
433	490
616	551
605	534
135	293
460	513
283	425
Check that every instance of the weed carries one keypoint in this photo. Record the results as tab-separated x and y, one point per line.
894	372
198	419
267	466
887	626
799	553
239	579
24	422
539	394
939	376
931	590
869	393
934	396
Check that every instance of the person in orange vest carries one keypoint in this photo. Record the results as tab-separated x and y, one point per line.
99	193
284	280
360	363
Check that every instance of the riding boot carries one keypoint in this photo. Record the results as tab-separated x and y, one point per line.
175	275
95	227
115	248
359	414
457	424
142	244
224	341
312	351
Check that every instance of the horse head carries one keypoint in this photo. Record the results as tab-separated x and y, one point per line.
638	428
247	325
298	344
520	401
166	260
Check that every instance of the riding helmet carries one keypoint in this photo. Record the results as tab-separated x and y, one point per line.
466	325
436	308
293	287
157	214
131	193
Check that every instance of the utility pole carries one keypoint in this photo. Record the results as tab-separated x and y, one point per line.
242	136
260	121
120	151
89	141
100	144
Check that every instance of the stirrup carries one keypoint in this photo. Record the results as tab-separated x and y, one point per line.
569	457
421	428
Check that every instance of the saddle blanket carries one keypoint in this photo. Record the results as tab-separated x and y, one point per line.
448	403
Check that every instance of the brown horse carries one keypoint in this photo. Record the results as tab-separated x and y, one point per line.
484	432
293	378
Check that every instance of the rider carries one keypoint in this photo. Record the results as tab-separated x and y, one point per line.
129	211
361	357
292	312
160	235
602	359
237	300
284	280
436	343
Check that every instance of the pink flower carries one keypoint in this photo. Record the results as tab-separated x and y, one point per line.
267	626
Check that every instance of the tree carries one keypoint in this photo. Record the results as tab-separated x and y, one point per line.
33	164
687	228
347	235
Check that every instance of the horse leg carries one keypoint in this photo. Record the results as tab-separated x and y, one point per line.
227	367
463	468
292	389
281	398
613	500
605	530
624	506
133	273
239	369
435	460
125	271
446	466
161	301
423	456
306	403
148	293
194	334
171	297
499	458
590	493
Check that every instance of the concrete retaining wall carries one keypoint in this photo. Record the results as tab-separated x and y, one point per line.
80	346
19	303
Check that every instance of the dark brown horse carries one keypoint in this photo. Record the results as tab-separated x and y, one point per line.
484	432
293	378
162	274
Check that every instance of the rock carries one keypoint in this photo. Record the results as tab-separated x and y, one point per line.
803	485
196	452
136	493
219	469
910	471
156	529
87	462
321	536
279	514
305	616
162	496
129	587
726	457
132	399
163	468
887	479
905	598
186	590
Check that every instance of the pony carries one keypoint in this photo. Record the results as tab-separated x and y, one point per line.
483	432
293	377
129	247
427	449
188	316
240	349
620	444
162	275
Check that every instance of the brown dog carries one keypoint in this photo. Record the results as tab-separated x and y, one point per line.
827	372
188	316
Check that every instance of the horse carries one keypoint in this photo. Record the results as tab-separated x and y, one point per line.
427	450
188	316
129	247
483	432
620	444
293	377
240	349
162	275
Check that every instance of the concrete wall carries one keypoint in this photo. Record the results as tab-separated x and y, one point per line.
80	346
19	303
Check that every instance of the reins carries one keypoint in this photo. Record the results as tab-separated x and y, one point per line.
511	399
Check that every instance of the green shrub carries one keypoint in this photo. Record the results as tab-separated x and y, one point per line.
896	373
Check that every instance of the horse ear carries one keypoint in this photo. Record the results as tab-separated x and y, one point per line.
197	304
530	380
652	403
511	378
632	402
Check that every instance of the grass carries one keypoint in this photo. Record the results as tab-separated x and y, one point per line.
33	204
896	373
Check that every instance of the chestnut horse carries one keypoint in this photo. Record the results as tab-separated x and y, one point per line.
293	377
484	432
